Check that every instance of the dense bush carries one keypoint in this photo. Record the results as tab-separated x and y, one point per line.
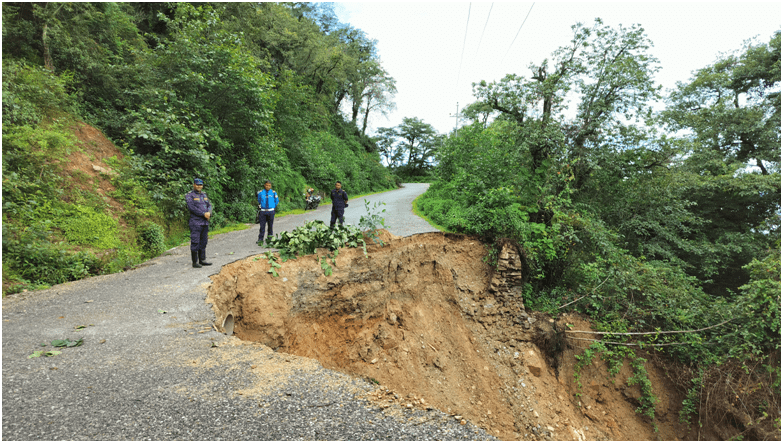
34	259
31	93
85	226
151	239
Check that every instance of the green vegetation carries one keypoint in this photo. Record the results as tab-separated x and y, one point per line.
421	214
66	343
410	149
313	235
234	93
644	221
373	221
309	238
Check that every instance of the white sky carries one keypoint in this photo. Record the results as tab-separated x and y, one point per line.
421	44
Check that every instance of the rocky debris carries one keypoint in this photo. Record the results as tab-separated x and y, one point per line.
105	171
507	279
384	397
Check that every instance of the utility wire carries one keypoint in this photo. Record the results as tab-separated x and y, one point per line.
520	29
459	71
649	333
482	32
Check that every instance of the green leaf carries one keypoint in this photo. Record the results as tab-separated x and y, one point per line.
67	343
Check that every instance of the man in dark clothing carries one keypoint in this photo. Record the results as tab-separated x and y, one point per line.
339	203
267	202
200	209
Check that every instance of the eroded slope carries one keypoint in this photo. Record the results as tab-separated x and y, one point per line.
427	319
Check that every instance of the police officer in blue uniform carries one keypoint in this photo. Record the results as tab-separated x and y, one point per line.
267	203
200	209
339	202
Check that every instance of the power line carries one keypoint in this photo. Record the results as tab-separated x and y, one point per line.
485	28
463	45
520	29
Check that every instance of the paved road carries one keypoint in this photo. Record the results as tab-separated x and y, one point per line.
151	368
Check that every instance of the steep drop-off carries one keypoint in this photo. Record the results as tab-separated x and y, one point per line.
435	326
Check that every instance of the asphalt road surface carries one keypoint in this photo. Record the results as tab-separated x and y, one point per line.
147	367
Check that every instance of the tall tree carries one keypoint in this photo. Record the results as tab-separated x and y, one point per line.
730	113
732	107
478	111
410	147
378	96
420	141
207	111
386	140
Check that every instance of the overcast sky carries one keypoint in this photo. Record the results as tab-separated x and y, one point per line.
435	50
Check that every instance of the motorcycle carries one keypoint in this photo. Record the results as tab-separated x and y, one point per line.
312	201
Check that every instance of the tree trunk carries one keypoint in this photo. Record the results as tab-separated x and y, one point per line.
355	110
366	116
46	54
339	100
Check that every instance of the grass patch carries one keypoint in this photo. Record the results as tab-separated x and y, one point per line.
291	212
418	212
230	228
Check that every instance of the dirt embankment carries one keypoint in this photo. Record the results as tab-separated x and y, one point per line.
89	169
435	326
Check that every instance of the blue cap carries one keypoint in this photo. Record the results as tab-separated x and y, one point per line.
198	181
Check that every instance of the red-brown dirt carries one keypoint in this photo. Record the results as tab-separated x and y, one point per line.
419	317
89	162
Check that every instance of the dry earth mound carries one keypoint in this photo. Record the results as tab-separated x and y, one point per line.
435	326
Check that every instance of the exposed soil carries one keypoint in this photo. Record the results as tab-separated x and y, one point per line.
89	164
427	319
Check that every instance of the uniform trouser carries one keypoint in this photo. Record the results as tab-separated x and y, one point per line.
265	218
199	235
337	213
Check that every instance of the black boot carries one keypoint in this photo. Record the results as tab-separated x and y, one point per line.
194	257
202	258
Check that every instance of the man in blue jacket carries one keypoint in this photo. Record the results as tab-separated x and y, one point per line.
339	202
200	209
267	202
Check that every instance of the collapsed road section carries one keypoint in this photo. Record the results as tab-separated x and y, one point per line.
428	320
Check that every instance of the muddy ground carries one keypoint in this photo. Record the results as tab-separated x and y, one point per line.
426	319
